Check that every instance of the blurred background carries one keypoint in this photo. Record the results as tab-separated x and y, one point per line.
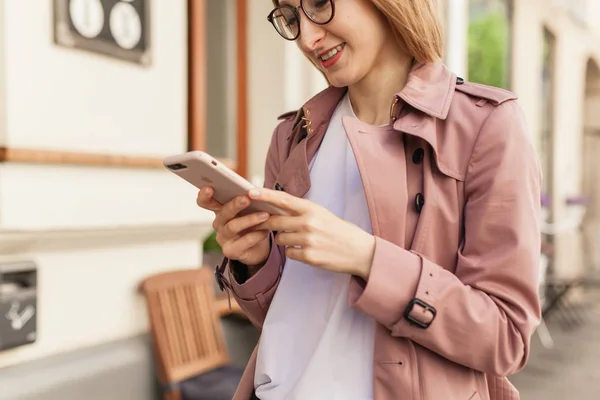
93	93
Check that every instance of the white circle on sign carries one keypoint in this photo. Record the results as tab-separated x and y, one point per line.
125	25
87	17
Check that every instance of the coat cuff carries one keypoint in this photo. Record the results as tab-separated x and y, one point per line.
424	309
261	281
392	284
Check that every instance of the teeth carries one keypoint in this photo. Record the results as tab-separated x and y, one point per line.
332	53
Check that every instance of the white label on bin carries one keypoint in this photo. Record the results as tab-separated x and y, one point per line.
19	319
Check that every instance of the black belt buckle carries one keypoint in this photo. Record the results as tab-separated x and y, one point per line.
219	278
414	321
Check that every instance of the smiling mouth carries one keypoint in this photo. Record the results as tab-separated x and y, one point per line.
331	53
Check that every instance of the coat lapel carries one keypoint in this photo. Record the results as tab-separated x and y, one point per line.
378	151
429	90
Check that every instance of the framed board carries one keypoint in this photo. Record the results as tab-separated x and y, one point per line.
115	28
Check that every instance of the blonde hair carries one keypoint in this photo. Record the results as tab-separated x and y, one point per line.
416	25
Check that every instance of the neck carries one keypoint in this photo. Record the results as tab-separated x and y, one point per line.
372	96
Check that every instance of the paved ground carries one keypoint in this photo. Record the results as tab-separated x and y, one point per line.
569	371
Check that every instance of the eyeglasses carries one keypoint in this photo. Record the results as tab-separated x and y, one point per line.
286	18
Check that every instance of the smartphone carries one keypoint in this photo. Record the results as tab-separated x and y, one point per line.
201	170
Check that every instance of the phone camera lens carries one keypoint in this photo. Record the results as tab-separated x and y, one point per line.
176	167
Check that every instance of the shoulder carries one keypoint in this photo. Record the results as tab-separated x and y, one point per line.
484	93
483	122
500	139
497	108
473	104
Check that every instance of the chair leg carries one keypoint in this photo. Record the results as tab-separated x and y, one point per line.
544	334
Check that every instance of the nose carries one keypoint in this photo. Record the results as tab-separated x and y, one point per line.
311	34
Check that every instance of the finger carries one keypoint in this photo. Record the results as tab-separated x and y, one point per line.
238	248
281	223
293	239
240	224
231	209
303	255
282	200
206	201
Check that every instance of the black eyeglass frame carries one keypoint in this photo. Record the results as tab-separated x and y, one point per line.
271	18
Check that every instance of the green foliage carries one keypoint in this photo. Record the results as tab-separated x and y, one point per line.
210	243
489	49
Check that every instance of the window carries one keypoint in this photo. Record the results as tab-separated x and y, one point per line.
217	80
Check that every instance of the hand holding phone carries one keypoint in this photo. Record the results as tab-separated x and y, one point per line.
235	234
202	170
225	193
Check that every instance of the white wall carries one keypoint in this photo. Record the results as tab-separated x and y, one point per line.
281	79
2	79
72	100
593	10
64	99
89	297
574	46
573	50
266	80
457	14
527	61
94	232
592	116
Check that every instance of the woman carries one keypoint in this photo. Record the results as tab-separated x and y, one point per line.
407	268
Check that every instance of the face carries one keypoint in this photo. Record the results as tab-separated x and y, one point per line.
348	47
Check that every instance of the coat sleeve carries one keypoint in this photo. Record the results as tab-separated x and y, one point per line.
254	295
485	312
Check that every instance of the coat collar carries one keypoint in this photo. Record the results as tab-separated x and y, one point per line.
429	89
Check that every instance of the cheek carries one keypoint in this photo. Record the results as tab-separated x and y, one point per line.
363	49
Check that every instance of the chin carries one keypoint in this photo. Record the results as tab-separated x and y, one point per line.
339	79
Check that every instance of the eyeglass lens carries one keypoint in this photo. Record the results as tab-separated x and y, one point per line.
285	17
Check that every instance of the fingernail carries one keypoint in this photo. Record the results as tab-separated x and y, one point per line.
242	201
263	216
254	193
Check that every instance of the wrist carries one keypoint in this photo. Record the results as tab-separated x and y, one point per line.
254	268
367	254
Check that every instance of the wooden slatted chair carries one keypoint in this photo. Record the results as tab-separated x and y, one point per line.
192	361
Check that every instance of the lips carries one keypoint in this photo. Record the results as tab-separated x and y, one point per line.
329	54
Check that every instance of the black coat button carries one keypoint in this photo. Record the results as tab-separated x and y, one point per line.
418	156
279	187
419	202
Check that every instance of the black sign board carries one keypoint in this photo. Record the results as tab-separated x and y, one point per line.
18	304
116	28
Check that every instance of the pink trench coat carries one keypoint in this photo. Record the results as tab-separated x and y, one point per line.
454	197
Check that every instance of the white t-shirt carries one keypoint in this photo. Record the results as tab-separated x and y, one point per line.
314	345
